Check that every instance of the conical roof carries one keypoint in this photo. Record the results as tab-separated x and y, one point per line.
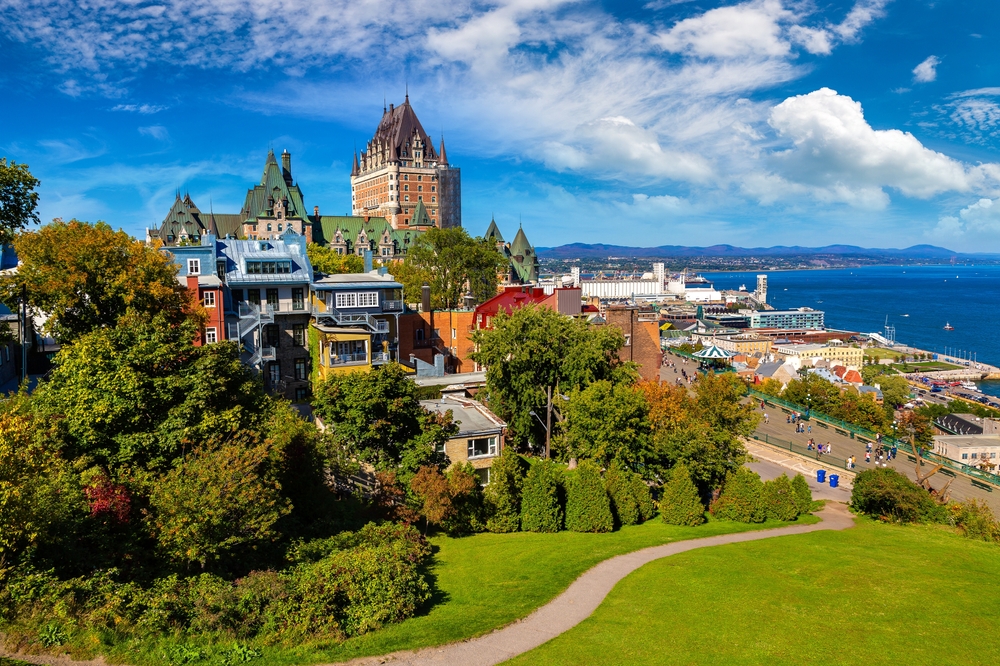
398	127
521	247
443	157
493	232
420	217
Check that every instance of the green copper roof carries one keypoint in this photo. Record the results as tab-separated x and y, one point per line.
272	184
350	227
493	233
420	218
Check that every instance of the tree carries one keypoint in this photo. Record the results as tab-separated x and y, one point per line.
23	463
588	508
88	276
535	348
216	503
18	199
741	499
503	494
606	422
720	400
621	491
803	495
326	260
780	500
895	391
680	503
886	494
455	262
541	510
466	500
433	494
771	387
377	416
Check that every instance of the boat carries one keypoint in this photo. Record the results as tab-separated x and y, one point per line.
969	386
906	315
948	327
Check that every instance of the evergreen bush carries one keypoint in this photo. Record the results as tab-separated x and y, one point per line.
780	500
621	492
803	495
741	498
680	503
644	496
541	508
588	508
886	494
503	493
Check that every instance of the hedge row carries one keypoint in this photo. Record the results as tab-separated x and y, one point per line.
746	499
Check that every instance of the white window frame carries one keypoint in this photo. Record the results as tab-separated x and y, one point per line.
208	299
210	336
194	266
492	447
356	299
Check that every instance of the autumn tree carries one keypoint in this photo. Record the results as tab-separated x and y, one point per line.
87	276
453	262
606	422
18	199
326	260
535	348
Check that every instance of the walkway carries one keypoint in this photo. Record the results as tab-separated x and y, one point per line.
580	600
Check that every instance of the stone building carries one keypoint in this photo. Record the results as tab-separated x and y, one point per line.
642	338
401	177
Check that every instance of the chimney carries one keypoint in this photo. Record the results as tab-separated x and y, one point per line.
425	298
316	212
286	166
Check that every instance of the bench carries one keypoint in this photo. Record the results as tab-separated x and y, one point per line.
983	486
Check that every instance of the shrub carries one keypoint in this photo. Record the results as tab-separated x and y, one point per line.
680	503
624	503
466	500
503	494
741	499
803	495
780	500
645	498
541	509
886	494
588	508
976	520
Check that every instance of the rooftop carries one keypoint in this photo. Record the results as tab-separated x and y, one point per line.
472	417
969	441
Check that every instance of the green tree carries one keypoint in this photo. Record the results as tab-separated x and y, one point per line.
621	491
503	493
541	509
378	418
680	503
455	262
606	422
23	465
588	507
535	348
885	494
217	503
741	499
780	500
895	391
18	199
803	495
772	387
88	276
326	260
466	500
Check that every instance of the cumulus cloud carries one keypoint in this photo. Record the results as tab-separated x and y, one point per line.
981	217
926	71
836	156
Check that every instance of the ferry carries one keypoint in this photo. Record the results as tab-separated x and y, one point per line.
948	327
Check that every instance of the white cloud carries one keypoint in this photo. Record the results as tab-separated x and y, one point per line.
145	109
977	219
158	132
836	156
926	71
861	15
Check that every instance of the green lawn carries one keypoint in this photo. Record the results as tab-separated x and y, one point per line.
484	581
924	366
875	594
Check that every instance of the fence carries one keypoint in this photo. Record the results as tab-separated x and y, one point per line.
832	463
980	477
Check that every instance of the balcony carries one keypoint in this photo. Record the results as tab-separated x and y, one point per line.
378	358
268	353
392	306
381	326
348	359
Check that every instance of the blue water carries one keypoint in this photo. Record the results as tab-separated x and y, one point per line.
860	299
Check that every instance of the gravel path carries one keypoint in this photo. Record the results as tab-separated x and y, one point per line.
580	600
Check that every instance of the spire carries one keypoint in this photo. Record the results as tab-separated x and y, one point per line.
354	169
443	157
407	100
393	155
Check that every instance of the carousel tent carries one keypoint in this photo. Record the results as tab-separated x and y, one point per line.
713	353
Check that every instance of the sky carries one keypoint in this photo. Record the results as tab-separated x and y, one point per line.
681	122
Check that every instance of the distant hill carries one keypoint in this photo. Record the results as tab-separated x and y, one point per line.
600	250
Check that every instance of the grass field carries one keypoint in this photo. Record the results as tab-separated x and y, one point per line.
924	366
875	594
483	582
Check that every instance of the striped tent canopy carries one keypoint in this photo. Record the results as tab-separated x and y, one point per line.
713	352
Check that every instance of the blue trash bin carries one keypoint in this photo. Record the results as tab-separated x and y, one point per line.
820	475
834	480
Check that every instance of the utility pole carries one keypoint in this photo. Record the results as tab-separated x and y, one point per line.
548	421
24	332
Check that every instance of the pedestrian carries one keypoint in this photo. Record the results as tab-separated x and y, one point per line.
847	463
810	428
868	457
828	449
868	445
788	419
893	450
765	417
809	445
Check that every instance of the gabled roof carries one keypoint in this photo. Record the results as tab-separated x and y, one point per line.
272	184
325	231
186	219
493	232
398	127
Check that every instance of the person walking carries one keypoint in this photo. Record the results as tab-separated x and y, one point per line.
766	419
810	428
828	449
868	457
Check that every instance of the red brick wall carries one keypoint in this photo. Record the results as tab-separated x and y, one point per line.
445	322
644	341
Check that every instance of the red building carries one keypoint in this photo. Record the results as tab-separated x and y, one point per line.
208	290
564	301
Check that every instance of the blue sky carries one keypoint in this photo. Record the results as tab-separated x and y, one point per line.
871	122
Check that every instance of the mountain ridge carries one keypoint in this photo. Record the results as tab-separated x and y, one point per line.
600	250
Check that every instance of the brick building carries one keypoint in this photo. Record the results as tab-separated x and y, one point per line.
642	337
446	332
401	177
